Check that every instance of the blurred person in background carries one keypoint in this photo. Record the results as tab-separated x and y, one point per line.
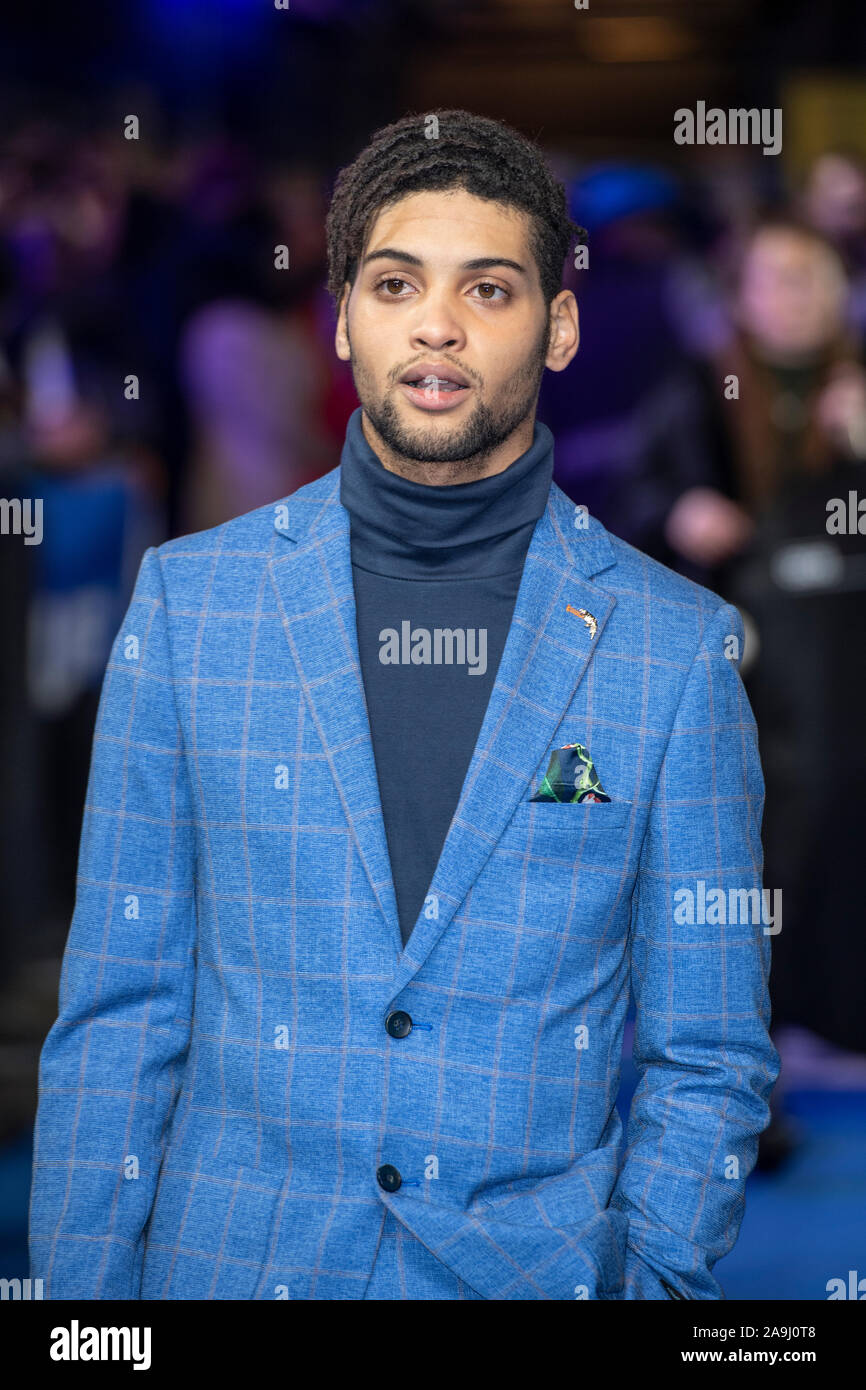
833	201
647	304
745	462
82	443
255	356
156	374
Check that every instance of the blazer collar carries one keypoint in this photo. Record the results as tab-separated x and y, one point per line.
316	509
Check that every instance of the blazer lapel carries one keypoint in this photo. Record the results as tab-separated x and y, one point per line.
312	577
545	657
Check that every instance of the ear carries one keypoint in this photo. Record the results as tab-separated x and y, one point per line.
564	331
341	337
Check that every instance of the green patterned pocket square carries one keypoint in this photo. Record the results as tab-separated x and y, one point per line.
570	776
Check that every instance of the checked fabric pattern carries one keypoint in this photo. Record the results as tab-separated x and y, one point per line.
219	1089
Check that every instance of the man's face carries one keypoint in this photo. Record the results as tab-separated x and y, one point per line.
447	284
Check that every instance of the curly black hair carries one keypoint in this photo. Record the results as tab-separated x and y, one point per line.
460	150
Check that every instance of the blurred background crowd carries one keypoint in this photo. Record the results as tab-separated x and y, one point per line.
159	374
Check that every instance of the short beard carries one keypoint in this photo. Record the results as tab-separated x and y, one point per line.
486	429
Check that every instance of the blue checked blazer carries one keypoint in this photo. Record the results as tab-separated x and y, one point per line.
219	1091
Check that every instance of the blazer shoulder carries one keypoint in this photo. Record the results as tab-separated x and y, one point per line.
254	533
637	580
635	569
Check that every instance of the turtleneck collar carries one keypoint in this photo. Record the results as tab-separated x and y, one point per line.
415	530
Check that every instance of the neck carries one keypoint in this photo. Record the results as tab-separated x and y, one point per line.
467	470
404	528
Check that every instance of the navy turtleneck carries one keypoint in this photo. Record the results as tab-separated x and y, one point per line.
436	572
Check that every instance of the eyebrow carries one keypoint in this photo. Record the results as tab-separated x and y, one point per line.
392	253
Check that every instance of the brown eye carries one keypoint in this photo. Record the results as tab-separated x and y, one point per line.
496	289
393	281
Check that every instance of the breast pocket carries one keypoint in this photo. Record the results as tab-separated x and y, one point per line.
590	830
561	878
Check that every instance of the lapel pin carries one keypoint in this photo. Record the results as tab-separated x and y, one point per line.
587	618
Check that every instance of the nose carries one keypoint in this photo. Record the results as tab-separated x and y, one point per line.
436	326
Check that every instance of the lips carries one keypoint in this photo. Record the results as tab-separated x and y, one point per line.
434	383
433	377
433	387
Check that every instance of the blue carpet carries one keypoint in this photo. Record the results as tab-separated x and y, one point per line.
806	1223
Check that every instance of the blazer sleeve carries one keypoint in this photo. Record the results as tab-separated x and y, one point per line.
112	1063
702	1048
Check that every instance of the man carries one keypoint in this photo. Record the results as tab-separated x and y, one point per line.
396	785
